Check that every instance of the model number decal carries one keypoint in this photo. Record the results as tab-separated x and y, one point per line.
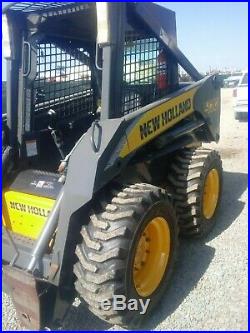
38	211
212	105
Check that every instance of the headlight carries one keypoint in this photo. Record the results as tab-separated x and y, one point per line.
6	37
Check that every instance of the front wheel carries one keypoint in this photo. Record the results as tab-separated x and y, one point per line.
127	254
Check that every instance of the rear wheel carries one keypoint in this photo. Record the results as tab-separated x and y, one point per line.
129	249
195	180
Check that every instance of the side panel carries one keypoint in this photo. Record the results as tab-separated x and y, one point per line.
158	120
80	185
203	99
118	138
83	163
89	169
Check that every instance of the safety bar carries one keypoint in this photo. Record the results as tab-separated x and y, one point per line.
46	234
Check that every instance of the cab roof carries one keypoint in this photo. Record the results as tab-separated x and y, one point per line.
38	7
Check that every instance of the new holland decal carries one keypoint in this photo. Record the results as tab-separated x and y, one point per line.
159	119
29	209
25	214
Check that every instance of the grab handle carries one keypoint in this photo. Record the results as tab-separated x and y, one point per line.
26	61
96	145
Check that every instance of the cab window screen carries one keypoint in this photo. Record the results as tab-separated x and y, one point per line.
63	81
144	71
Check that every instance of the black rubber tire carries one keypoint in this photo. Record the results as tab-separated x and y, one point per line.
105	255
186	178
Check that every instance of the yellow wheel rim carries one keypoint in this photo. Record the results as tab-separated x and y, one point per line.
151	256
211	193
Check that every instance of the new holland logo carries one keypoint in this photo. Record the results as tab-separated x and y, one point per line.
161	120
33	210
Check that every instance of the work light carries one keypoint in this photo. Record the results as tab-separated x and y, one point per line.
6	37
103	36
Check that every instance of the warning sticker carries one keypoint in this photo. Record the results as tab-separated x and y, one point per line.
31	148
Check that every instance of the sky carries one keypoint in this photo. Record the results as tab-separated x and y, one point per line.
212	35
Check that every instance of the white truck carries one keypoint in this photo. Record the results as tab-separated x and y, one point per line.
240	94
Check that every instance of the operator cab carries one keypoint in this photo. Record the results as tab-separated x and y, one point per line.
67	69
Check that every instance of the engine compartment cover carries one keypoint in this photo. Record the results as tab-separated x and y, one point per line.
28	201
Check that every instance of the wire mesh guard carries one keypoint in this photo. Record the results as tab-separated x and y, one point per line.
46	9
140	70
63	82
36	6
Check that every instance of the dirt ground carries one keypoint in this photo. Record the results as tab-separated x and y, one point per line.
209	287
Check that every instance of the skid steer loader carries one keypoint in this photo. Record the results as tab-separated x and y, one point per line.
102	157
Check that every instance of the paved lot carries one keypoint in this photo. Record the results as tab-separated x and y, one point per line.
209	286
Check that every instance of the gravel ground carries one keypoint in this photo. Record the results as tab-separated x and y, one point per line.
209	286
